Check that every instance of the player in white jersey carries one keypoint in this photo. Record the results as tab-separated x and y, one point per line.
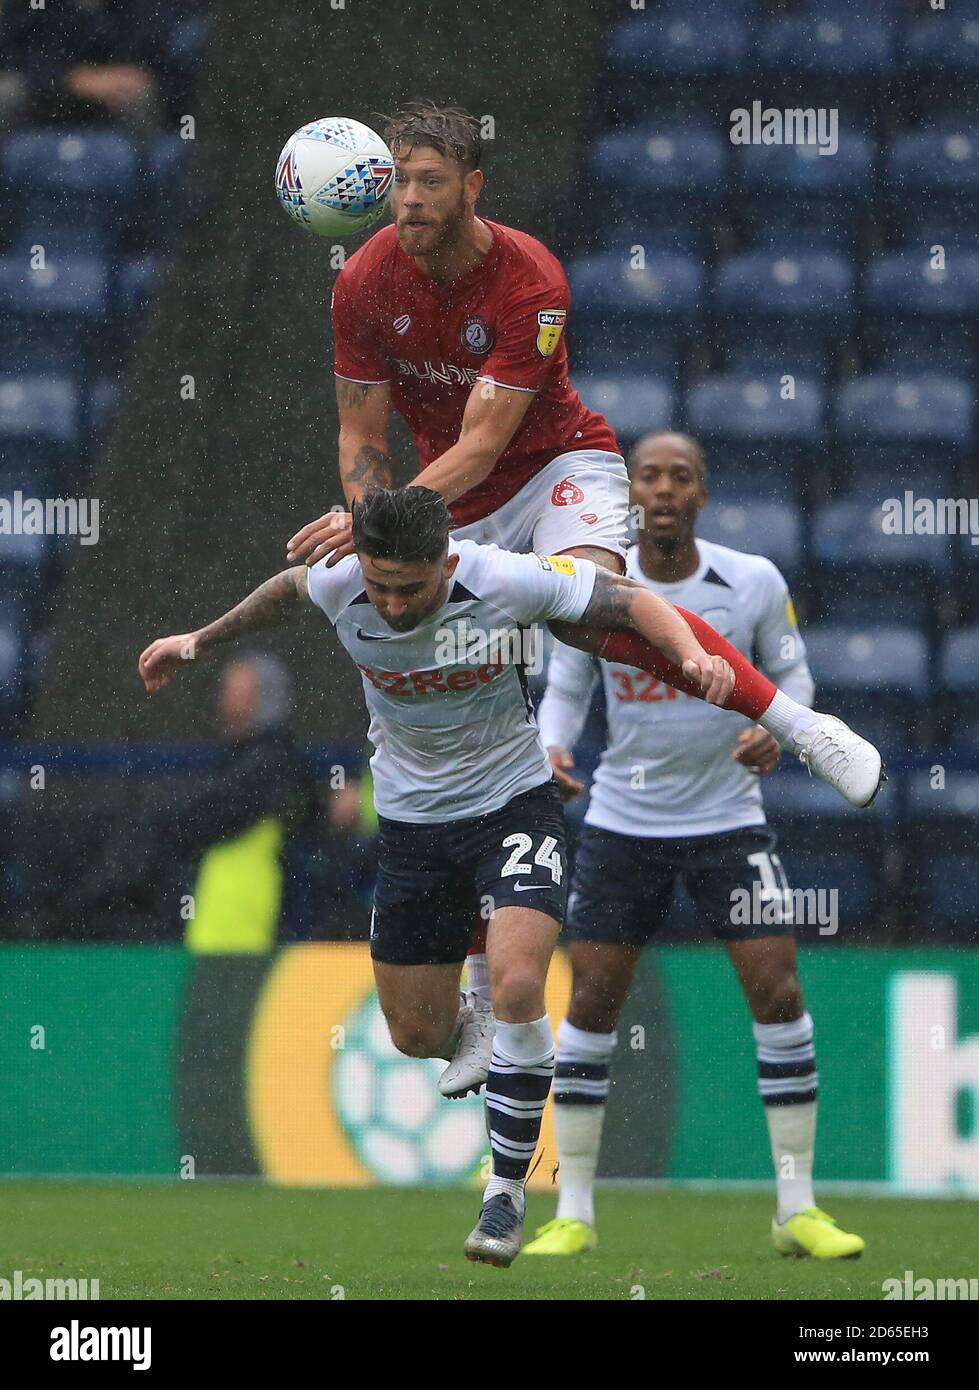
468	810
676	795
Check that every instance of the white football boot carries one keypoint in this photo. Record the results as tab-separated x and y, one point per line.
830	749
470	1064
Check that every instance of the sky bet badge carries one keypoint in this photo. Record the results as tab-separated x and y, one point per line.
550	322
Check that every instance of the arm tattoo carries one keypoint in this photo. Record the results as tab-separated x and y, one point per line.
610	605
370	468
351	393
272	603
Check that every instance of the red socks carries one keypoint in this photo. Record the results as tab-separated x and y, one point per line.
752	693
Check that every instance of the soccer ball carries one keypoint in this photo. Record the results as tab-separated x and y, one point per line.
334	176
394	1118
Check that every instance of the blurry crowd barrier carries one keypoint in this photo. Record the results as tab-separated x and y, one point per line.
152	1061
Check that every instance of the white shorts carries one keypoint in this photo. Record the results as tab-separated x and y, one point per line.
580	498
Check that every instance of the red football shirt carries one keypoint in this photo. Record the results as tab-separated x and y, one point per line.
502	321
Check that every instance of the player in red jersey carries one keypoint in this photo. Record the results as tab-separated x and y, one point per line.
458	323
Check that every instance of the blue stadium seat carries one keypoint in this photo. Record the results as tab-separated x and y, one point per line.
63	239
134	284
11	660
82	161
922	316
666	173
941	57
42	306
875	677
938	168
39	408
942	847
633	405
671	41
102	402
773	529
870	660
853	533
869	575
959	662
23	556
757	442
906	413
782	309
63	174
844	43
789	188
634	319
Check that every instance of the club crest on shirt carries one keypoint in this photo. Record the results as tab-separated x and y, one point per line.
566	494
476	334
550	325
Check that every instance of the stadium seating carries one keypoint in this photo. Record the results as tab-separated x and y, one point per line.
761	440
762	528
792	188
872	573
941	813
876	677
919	316
634	313
633	405
936	167
780	310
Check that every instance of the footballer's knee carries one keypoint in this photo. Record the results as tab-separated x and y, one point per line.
778	999
416	1037
594	1007
518	994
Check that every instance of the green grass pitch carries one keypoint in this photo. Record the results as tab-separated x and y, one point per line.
244	1240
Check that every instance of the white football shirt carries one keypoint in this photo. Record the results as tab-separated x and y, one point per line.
667	769
451	718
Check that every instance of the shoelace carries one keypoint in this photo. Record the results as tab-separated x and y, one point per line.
836	753
499	1217
480	1031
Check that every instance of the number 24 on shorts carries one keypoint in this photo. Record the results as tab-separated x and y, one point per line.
547	856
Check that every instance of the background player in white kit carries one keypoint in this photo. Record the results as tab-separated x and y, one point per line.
674	796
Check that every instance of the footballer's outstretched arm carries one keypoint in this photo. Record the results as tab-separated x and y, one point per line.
491	419
273	603
618	603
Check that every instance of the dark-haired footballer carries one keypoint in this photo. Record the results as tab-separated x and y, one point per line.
458	324
467	805
694	812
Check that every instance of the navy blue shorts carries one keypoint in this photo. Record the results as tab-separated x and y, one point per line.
434	882
622	886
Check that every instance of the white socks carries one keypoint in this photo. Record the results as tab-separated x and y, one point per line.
581	1088
785	719
477	977
787	1076
516	1092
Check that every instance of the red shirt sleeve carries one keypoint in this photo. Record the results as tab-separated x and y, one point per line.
354	353
529	330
